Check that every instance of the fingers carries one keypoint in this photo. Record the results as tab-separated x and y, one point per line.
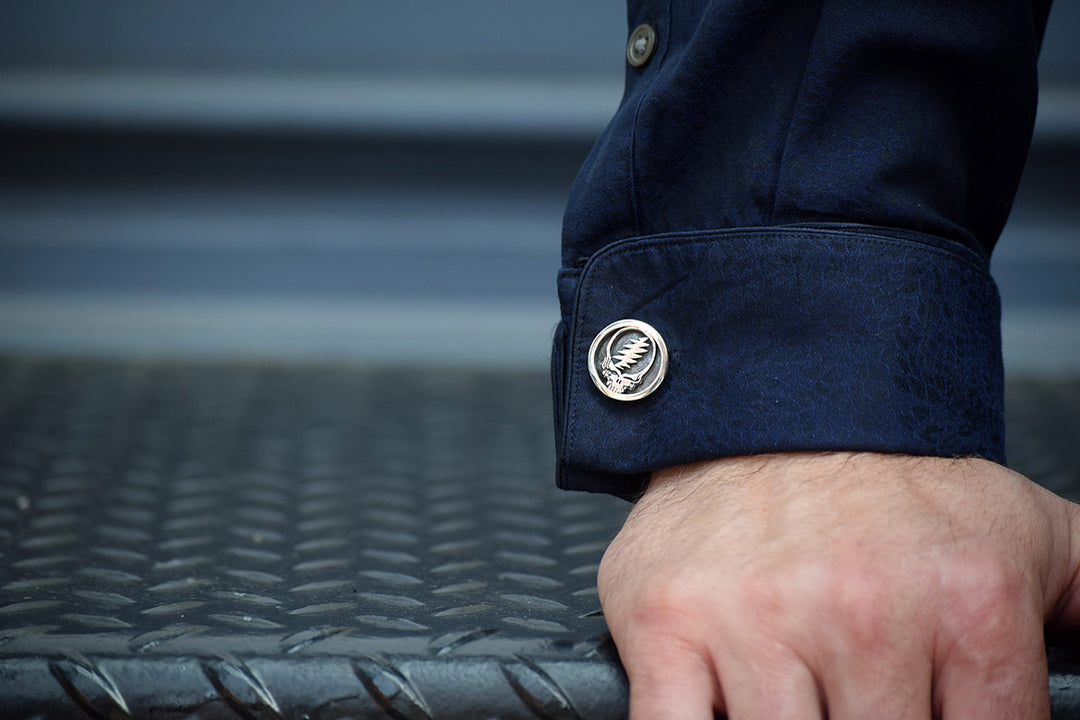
997	687
785	690
877	663
994	666
1000	673
671	681
898	688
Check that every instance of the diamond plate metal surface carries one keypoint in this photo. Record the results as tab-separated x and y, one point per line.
259	541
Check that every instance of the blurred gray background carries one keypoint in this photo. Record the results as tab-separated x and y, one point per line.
363	179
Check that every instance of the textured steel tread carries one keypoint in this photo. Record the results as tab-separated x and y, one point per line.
184	540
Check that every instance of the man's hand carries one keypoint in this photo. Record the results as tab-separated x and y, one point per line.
857	585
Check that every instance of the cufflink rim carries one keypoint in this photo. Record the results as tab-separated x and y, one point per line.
652	378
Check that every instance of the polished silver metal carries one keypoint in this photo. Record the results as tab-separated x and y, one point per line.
641	45
628	360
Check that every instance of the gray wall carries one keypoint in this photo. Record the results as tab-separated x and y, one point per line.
564	36
361	179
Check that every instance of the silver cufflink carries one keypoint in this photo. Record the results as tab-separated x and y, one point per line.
628	360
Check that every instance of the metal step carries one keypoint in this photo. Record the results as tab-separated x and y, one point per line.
322	541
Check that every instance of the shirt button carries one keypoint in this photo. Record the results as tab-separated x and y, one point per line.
641	46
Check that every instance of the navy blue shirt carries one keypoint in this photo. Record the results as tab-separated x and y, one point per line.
801	198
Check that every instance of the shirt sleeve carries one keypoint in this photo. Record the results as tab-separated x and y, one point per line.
800	200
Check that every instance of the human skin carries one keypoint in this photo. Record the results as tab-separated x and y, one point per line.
846	585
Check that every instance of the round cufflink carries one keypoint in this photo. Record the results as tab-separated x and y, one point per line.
628	360
641	45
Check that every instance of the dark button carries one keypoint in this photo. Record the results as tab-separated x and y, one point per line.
641	46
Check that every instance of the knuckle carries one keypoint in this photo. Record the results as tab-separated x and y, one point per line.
862	602
983	585
667	607
760	593
651	657
985	601
772	604
665	635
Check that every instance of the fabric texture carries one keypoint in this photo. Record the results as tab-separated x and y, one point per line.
802	197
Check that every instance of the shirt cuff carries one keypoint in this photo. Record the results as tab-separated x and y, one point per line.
781	339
